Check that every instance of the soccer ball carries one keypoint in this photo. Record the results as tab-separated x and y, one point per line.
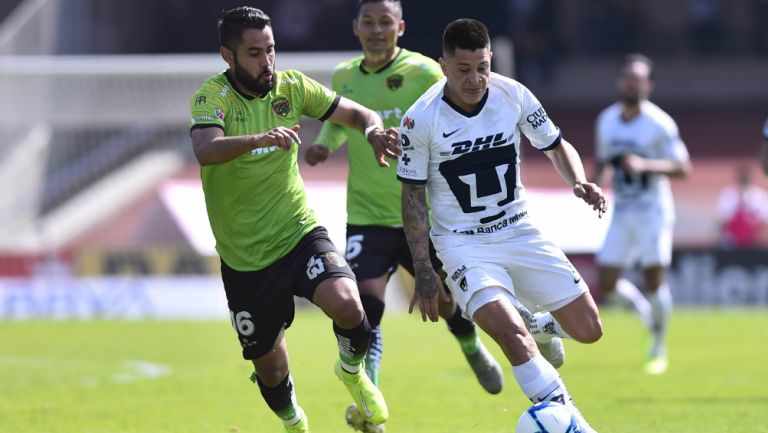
547	417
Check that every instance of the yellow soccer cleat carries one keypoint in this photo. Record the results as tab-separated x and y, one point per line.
369	400
300	427
657	365
357	421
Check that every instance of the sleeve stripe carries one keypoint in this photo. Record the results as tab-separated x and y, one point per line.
331	109
412	181
205	125
554	143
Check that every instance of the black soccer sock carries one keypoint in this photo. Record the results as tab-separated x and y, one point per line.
459	326
374	309
353	343
281	398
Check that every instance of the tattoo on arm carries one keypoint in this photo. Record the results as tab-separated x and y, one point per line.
416	226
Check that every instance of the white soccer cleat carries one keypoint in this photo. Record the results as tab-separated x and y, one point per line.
553	351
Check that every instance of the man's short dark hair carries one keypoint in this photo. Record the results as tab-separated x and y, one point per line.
465	33
638	58
360	3
236	20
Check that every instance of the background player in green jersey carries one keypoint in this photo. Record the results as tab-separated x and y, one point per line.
388	79
244	126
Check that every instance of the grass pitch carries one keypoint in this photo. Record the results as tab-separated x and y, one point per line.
171	377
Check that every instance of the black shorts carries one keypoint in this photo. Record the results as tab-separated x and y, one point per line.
261	302
373	251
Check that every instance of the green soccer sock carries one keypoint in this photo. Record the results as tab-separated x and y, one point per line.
469	343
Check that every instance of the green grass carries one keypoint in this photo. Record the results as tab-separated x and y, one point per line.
81	377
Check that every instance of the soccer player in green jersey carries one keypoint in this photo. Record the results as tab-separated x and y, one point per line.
244	132
388	79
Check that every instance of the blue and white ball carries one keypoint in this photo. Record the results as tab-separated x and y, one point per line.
547	417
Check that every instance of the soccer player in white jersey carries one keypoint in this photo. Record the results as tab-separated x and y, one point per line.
642	144
461	141
765	147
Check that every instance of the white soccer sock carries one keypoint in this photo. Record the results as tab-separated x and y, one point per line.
540	382
629	295
661	307
544	326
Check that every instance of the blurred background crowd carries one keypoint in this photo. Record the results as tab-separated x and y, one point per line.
95	157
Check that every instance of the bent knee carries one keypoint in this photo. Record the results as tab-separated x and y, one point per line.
347	312
588	333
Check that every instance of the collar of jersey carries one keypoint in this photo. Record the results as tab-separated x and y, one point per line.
463	112
244	95
389	63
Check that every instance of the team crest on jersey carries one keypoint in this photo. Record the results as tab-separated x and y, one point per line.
394	82
408	123
219	114
281	106
335	259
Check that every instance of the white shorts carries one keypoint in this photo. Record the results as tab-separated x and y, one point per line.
525	268
637	237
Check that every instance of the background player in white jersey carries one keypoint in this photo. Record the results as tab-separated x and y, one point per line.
461	140
388	79
765	147
642	144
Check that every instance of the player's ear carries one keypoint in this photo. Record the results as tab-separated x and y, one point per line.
400	28
443	65
227	55
354	27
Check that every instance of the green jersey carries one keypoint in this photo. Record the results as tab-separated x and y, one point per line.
256	202
373	193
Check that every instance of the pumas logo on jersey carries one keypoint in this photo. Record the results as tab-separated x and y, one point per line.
281	106
537	118
200	100
463	284
394	82
408	123
480	143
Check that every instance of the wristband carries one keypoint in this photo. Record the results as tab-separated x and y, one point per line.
369	129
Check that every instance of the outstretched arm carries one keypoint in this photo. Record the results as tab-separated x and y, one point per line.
416	225
568	163
211	146
385	143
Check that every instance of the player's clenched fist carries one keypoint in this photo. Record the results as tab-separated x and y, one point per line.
593	195
385	143
316	153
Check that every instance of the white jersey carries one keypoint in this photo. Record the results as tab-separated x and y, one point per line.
470	161
652	134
